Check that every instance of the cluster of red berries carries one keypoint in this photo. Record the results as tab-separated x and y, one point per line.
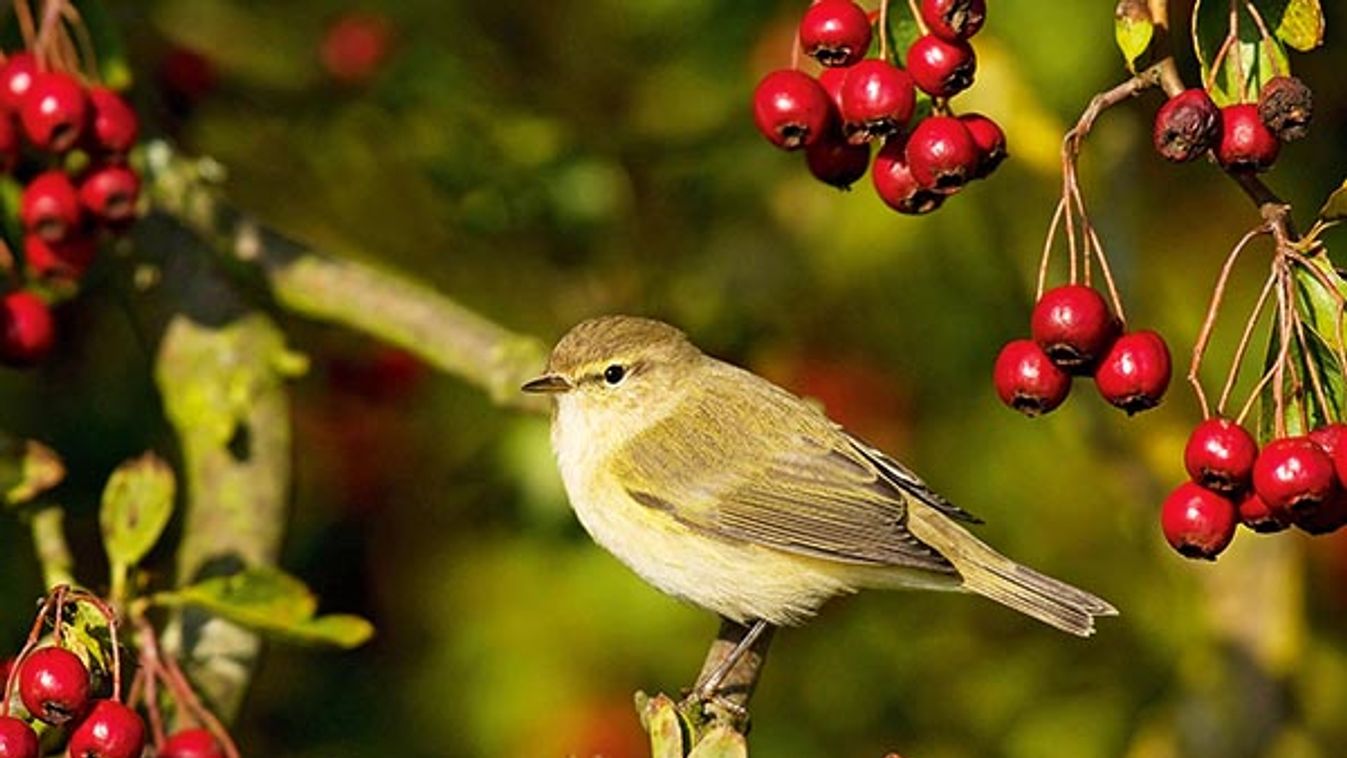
1075	334
56	688
1292	481
857	101
1245	137
62	212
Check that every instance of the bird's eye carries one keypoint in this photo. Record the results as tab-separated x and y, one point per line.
614	374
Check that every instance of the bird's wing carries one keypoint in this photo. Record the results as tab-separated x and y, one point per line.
803	487
906	480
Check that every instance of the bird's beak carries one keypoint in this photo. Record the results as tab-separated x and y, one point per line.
551	384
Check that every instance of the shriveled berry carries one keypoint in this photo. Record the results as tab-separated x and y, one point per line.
896	186
877	100
1293	475
1255	514
50	207
16	77
942	154
939	67
17	739
1246	143
111	730
53	683
1135	372
1027	380
54	111
1073	325
1187	126
109	193
990	141
1286	107
66	259
833	160
1220	455
791	109
191	743
27	333
954	19
113	126
1197	522
835	32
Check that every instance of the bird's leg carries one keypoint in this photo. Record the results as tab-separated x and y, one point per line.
731	670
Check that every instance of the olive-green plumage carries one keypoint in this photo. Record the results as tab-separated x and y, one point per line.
721	488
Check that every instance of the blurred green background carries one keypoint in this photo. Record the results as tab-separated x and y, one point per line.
545	162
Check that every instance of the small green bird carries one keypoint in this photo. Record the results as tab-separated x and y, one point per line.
725	490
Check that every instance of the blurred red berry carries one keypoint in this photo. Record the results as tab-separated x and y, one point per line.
832	160
1220	455
1073	325
1328	517
10	143
1246	143
1293	475
1027	380
191	743
186	77
113	126
939	67
17	739
954	19
53	682
54	111
1197	522
1256	515
896	186
877	100
990	141
50	206
355	46
1135	372
27	330
835	32
16	77
942	154
1187	126
109	193
111	730
791	109
66	259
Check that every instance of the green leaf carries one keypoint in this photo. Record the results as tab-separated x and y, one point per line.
87	635
660	716
271	602
27	469
1133	31
721	742
1249	62
1320	355
137	504
1335	207
1298	23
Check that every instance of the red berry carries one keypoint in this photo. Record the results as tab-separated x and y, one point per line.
1255	514
54	111
942	154
1293	475
1073	325
355	46
1027	380
877	100
9	142
1246	143
191	743
897	187
1135	372
791	109
17	739
1220	455
835	32
1187	126
1329	516
16	77
1197	522
109	193
941	68
113	126
831	80
954	19
833	160
54	685
67	259
111	730
27	331
50	207
990	141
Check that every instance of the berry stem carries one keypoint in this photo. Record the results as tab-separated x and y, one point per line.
1338	299
1283	354
1244	341
151	670
1204	334
1310	368
1281	68
1238	49
27	28
884	30
916	16
187	698
1047	249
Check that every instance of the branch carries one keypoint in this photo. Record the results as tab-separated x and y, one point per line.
381	303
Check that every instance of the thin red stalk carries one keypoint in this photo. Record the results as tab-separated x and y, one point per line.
1209	323
884	30
1047	249
1338	300
150	663
1267	38
186	697
27	28
34	635
1244	342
